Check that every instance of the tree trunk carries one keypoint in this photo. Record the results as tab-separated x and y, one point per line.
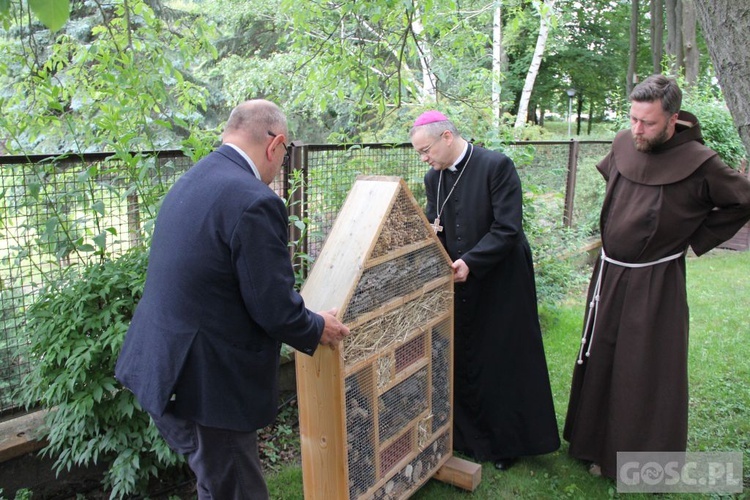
532	114
657	34
689	42
674	34
545	14
724	25
499	63
631	78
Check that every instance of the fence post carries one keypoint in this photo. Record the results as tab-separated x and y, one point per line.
570	184
134	220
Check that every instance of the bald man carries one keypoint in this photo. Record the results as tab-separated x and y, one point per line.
202	351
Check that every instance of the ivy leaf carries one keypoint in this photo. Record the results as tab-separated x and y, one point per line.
52	13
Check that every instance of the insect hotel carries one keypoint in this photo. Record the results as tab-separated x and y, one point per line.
375	413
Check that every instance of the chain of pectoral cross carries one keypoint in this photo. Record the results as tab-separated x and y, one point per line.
436	224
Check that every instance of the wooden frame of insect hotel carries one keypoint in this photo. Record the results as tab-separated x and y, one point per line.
376	412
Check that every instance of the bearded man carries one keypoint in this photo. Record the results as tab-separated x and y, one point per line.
666	191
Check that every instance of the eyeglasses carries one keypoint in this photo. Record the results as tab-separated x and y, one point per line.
426	151
285	161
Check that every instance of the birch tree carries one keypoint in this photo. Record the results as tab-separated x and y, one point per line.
429	79
546	15
499	63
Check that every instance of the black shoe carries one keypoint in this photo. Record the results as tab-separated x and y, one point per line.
504	463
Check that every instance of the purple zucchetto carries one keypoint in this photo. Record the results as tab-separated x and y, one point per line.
430	117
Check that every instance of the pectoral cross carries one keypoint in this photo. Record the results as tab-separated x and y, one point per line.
436	225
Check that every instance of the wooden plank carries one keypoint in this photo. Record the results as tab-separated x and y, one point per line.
592	246
339	266
22	435
461	473
320	395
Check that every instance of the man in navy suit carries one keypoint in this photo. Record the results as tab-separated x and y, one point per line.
202	351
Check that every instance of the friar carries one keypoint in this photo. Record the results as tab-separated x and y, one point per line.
666	191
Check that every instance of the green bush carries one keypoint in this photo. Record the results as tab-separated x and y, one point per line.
76	326
553	246
589	196
719	131
11	315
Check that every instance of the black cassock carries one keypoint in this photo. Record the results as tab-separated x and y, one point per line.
503	402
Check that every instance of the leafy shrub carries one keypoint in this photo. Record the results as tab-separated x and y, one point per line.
719	131
589	196
11	316
76	326
556	273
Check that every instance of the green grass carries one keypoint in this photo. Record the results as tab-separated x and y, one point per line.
719	364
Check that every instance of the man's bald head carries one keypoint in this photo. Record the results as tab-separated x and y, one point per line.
253	119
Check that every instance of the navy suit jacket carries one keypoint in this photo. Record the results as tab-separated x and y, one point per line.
218	301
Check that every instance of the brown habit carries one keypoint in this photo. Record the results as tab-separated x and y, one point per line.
631	392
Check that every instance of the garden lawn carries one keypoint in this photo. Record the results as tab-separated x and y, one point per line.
719	366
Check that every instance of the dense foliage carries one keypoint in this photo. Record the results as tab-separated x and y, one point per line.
76	326
117	78
716	122
148	74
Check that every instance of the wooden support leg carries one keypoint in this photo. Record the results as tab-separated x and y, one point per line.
461	473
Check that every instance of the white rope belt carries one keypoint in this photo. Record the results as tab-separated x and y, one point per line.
594	304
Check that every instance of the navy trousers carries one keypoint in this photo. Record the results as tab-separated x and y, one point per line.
226	463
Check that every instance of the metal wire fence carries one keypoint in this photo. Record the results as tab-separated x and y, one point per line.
58	212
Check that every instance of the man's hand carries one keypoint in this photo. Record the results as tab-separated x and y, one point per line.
334	330
460	271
